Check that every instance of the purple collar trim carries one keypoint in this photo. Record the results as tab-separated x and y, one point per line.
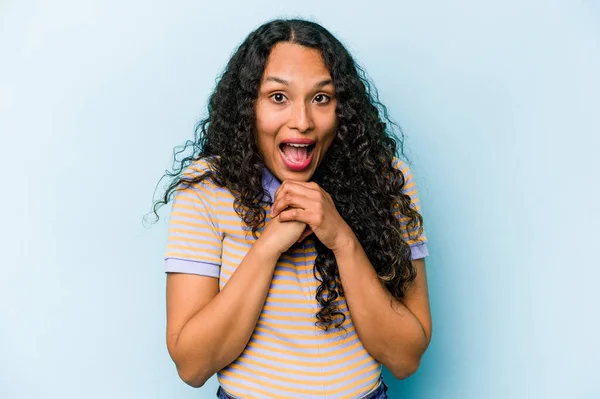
270	182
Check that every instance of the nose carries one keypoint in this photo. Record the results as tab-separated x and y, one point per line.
301	119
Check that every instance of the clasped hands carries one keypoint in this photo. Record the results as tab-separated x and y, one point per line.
307	202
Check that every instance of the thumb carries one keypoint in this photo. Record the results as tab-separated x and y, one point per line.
307	231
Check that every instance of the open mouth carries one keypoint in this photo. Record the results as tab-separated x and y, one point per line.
296	153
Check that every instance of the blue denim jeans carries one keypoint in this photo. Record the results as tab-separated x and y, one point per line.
380	392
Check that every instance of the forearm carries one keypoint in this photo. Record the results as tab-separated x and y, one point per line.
220	331
389	331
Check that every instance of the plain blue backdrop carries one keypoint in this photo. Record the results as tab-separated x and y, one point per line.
500	105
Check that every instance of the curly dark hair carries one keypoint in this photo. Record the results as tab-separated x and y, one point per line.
357	171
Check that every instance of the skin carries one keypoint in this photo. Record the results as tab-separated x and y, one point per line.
296	100
223	320
304	107
396	333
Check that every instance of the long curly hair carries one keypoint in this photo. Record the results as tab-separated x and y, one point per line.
357	170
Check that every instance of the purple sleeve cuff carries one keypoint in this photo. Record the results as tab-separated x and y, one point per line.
192	267
419	251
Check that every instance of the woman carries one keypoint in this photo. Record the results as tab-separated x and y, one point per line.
295	249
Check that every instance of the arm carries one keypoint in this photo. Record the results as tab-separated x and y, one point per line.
207	329
396	335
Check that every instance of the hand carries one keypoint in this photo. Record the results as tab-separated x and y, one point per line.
280	236
307	202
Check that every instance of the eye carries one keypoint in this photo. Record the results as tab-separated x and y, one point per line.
323	96
277	97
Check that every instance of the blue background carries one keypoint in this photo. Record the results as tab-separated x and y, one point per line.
500	104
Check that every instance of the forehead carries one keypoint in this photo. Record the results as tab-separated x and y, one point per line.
293	60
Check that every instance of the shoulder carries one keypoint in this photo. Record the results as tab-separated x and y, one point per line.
402	166
202	164
199	167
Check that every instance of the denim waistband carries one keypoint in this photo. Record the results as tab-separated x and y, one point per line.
379	392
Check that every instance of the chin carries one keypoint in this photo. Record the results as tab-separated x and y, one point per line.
298	176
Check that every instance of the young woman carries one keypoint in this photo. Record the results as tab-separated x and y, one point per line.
296	250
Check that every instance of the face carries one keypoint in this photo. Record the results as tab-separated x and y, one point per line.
296	105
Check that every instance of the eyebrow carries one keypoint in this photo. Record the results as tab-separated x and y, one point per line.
285	82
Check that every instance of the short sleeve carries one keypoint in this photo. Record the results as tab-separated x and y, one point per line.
194	241
418	244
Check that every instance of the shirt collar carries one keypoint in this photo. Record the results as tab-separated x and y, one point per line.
270	183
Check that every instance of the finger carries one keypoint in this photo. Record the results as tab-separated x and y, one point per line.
283	188
295	214
289	189
290	200
295	186
308	231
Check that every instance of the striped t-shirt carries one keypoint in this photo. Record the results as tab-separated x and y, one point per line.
287	355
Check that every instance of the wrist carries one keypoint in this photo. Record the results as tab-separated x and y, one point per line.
345	242
266	250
